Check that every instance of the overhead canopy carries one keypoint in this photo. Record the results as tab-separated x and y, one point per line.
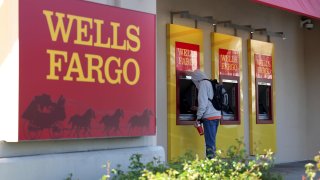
309	8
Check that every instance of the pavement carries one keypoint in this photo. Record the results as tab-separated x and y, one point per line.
293	171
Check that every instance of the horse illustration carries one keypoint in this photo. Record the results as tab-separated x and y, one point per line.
140	121
111	122
43	114
82	122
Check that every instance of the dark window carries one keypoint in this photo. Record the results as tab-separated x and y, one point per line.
231	113
186	99
264	102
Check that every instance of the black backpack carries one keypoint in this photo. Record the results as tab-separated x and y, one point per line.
220	96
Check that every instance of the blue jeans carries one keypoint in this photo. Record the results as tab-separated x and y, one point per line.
210	132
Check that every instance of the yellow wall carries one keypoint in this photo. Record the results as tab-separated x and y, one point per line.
181	138
227	134
262	136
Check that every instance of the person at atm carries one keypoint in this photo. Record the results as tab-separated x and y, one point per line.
206	113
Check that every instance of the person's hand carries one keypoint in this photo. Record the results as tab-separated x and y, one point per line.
197	122
200	120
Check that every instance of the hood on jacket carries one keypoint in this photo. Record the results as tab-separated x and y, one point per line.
197	76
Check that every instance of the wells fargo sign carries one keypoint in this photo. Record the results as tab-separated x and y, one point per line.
187	56
263	66
86	70
228	62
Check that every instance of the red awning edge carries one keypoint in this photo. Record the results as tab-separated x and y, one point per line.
310	8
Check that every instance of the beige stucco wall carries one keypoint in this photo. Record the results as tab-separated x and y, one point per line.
312	62
293	127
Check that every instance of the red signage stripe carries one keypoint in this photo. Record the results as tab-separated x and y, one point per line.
309	8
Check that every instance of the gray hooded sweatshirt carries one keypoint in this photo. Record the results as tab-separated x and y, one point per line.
205	91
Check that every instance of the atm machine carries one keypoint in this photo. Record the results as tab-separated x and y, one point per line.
186	98
263	85
227	68
186	61
230	114
261	97
264	101
229	76
184	55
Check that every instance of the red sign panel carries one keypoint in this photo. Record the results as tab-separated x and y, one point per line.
187	56
263	66
229	62
86	71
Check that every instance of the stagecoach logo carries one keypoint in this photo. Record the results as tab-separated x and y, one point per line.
43	114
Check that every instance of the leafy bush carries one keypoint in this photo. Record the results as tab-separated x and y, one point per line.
235	164
311	170
217	168
136	168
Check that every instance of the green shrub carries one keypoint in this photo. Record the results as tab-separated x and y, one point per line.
311	169
178	163
136	168
234	164
217	168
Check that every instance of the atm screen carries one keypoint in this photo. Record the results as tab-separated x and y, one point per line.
264	104
187	98
231	111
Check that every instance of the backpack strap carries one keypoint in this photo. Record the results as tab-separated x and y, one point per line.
205	79
213	88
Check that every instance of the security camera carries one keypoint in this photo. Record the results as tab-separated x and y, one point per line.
306	23
309	26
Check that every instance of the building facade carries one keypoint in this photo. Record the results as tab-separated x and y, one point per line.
295	86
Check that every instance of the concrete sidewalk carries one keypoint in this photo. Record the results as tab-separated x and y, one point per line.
293	171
